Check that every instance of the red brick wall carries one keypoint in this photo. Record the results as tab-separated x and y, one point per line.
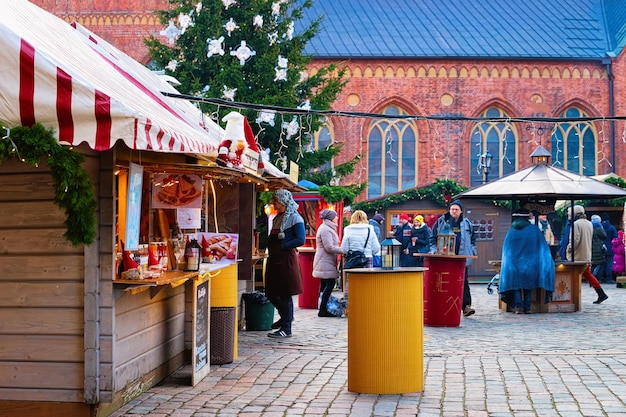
444	147
123	23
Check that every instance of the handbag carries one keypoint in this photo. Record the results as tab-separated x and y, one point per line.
357	258
336	306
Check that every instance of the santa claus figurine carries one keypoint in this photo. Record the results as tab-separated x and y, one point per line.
238	137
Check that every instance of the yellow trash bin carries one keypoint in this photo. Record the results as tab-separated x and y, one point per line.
385	330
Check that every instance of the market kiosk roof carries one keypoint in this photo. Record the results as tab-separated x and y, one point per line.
542	181
68	79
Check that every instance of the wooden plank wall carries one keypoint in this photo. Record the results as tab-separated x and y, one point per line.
41	292
141	335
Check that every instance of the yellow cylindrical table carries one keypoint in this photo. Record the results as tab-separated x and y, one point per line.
224	293
385	330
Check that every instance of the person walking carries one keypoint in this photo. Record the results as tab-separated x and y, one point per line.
283	278
377	223
420	241
544	226
325	260
402	233
356	237
619	254
565	236
611	233
465	244
527	264
580	250
598	250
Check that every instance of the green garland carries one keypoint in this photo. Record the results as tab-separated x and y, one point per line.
74	191
347	194
440	192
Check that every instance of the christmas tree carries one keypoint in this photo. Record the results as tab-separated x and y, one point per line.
250	52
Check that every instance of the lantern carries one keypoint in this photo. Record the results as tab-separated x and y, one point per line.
446	241
390	250
193	255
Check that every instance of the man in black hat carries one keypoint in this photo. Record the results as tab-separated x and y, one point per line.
465	244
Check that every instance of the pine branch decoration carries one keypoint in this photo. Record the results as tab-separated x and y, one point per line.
74	191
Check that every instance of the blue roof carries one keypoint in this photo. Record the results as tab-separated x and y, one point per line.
493	29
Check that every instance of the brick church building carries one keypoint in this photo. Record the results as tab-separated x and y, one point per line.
450	65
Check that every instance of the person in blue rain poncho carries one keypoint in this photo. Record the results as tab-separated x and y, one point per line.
527	264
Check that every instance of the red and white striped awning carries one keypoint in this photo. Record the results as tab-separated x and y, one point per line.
86	90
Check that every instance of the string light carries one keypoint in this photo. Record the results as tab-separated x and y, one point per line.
441	118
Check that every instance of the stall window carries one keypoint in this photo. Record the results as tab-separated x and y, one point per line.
483	228
391	155
574	144
500	139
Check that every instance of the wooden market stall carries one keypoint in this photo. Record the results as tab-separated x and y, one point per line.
78	338
537	188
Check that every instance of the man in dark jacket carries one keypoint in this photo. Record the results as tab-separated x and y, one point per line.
465	244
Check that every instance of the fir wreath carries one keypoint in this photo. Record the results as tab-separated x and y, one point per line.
440	192
74	191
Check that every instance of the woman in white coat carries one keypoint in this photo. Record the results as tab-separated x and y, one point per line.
355	236
325	260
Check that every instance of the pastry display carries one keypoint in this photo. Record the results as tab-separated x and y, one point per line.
177	190
216	247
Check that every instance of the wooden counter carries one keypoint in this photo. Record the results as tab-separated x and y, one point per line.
171	278
567	295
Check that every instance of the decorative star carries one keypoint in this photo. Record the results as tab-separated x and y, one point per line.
184	20
281	74
258	21
172	65
290	30
266	117
230	26
228	3
229	93
291	127
171	33
275	9
215	47
243	52
282	62
272	38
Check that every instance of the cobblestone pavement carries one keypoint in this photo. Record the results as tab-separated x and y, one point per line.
495	364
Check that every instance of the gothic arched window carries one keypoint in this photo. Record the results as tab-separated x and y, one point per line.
323	138
497	137
391	155
574	144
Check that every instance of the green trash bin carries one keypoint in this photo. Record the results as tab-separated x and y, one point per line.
259	311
